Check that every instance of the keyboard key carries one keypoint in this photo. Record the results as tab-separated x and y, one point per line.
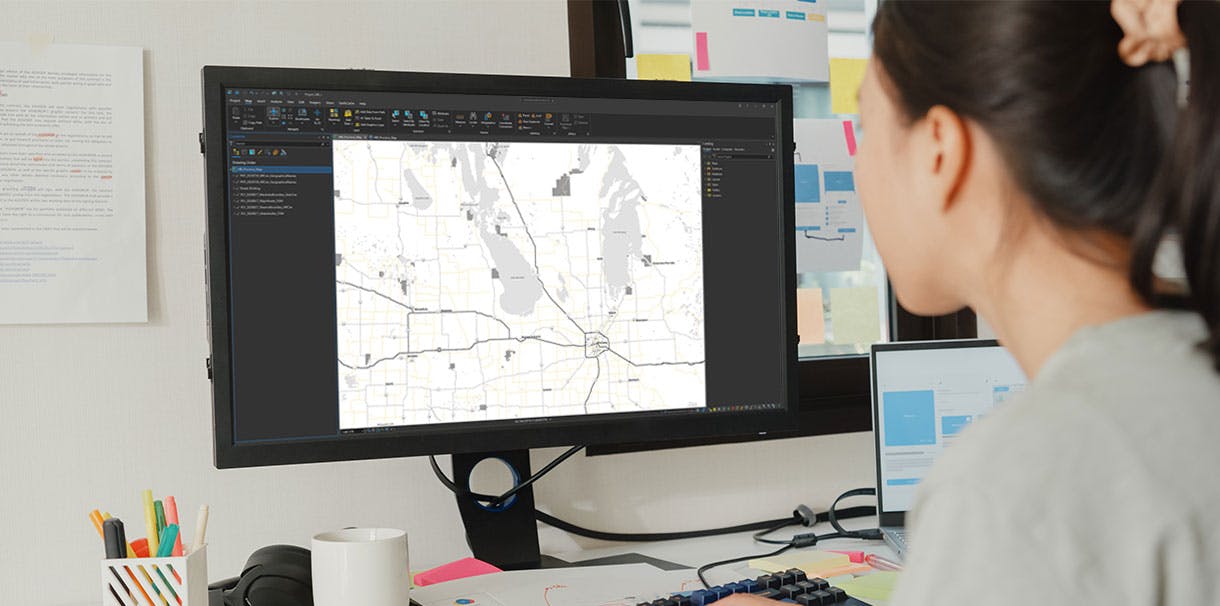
735	588
663	602
789	591
749	586
702	597
819	582
768	581
800	574
680	600
808	599
787	577
720	592
839	595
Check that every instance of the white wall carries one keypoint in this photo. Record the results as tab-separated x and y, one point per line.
89	415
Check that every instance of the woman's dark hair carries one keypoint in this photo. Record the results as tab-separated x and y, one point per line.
1096	145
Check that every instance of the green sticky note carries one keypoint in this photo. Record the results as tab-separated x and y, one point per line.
876	586
855	315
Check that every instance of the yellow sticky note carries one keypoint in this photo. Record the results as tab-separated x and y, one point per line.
663	67
845	78
855	316
810	319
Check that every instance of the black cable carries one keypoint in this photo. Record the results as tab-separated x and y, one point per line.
496	501
707	567
769	525
869	534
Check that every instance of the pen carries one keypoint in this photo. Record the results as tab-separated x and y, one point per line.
201	528
881	563
116	539
171	517
150	521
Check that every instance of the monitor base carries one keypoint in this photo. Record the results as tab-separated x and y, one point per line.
504	536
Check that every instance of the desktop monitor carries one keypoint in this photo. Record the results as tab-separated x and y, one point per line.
408	264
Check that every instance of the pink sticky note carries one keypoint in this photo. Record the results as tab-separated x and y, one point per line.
461	569
849	133
701	62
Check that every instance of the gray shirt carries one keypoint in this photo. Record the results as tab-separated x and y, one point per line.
1098	485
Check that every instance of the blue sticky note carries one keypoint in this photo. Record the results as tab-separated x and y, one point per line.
840	180
808	185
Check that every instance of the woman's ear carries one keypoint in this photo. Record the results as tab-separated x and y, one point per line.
946	147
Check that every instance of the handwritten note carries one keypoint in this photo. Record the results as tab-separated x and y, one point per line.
72	232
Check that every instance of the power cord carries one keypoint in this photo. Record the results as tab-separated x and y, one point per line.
833	515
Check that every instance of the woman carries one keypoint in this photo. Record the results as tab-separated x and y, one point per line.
1028	159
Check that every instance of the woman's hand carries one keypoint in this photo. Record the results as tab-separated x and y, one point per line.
742	599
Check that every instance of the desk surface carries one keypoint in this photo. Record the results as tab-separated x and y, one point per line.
529	588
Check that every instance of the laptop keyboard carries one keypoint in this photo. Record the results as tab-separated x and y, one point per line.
790	587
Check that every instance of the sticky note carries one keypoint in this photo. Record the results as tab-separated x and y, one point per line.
663	67
701	62
810	320
855	316
845	78
877	586
812	562
849	135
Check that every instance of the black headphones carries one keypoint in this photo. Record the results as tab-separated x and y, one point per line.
276	575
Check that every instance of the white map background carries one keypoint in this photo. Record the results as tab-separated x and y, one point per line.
490	281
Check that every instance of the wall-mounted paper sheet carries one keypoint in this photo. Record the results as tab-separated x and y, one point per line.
829	220
768	40
845	78
72	245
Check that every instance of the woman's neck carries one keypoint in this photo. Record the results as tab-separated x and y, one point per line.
1043	293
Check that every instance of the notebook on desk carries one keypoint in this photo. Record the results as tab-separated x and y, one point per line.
924	394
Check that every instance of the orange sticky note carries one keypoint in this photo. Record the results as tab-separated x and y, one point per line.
810	319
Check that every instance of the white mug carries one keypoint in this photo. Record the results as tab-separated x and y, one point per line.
365	566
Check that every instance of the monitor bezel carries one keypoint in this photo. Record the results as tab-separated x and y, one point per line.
564	431
898	518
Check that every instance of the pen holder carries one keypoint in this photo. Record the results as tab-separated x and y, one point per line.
181	581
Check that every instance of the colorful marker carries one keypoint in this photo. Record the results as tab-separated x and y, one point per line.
167	541
159	511
150	521
201	529
171	517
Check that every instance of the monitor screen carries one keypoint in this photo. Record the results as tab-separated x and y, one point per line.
924	395
413	264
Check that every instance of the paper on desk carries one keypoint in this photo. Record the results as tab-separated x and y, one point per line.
753	39
829	220
873	586
72	245
624	585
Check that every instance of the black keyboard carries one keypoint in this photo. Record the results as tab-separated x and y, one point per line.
790	587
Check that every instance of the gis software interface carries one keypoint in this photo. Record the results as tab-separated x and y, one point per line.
402	260
926	398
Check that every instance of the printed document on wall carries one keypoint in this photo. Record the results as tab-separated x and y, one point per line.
829	220
72	245
751	39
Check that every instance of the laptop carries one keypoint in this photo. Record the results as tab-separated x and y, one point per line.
925	393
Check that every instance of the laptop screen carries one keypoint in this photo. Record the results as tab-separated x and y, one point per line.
924	395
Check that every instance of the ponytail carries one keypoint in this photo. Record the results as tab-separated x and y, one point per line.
1185	197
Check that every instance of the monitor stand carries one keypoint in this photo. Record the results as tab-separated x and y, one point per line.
504	536
507	536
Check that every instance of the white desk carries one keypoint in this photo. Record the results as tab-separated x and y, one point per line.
691	552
